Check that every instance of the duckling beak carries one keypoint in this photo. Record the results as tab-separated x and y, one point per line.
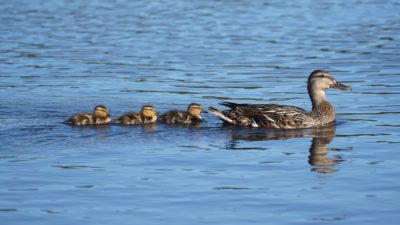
340	86
203	111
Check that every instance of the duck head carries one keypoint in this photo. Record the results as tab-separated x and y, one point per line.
322	80
101	111
318	82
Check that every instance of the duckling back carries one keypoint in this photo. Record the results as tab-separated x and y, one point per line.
176	116
88	118
132	118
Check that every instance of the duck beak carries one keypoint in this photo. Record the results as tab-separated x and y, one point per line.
340	86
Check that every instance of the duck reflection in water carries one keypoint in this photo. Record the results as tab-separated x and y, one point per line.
321	137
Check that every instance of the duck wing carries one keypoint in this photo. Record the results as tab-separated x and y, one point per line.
271	115
233	117
175	116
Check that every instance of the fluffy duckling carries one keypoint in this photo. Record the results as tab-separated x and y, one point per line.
98	116
192	115
147	115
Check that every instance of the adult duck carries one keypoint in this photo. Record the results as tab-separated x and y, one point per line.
285	116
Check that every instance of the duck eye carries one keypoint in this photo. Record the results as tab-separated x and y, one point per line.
322	76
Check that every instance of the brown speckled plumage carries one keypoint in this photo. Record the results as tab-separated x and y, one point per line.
192	115
284	116
132	118
98	116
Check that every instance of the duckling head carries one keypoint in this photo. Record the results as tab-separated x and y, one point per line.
101	111
194	110
322	80
148	111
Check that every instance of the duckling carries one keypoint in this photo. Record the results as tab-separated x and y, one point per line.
98	116
147	115
192	115
284	116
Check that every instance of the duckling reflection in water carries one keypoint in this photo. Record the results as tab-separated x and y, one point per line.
147	115
191	116
98	116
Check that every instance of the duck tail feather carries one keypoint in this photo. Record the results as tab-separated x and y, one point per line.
220	115
229	104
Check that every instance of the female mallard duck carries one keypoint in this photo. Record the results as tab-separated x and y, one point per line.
98	116
192	115
147	115
284	116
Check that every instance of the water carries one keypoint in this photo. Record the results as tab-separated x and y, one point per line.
61	57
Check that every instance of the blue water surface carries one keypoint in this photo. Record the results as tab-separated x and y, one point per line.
62	57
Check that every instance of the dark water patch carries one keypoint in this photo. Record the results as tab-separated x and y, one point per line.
384	75
384	85
380	106
21	160
389	125
77	167
330	218
369	113
359	120
361	135
231	188
380	93
259	66
8	157
231	98
233	146
86	186
50	211
193	147
271	162
376	162
282	99
388	142
219	87
8	210
348	149
158	91
23	189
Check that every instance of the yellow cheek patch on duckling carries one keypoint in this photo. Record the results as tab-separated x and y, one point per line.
149	112
101	113
195	111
